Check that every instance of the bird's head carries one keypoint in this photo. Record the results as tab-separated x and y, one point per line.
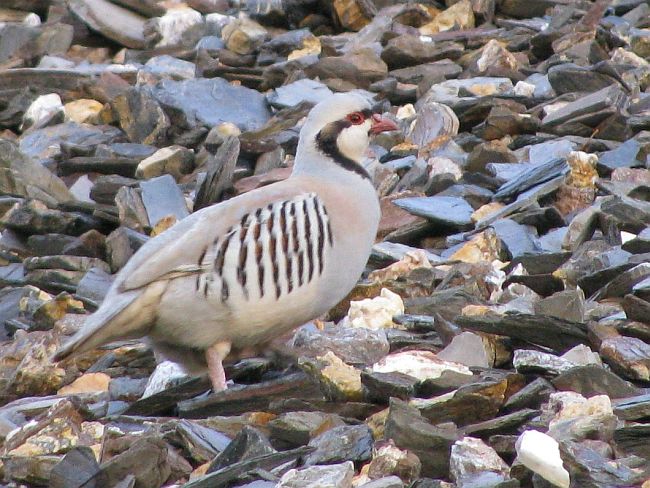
339	128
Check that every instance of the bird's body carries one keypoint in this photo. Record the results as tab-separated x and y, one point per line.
238	274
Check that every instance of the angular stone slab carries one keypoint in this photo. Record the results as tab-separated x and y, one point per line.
212	101
112	21
451	211
558	334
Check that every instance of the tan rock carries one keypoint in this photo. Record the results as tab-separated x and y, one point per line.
458	17
243	36
84	111
411	260
310	46
339	381
87	383
482	247
496	56
173	160
34	374
352	14
486	210
583	172
388	459
163	224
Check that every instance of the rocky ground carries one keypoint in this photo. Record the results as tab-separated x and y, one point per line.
501	336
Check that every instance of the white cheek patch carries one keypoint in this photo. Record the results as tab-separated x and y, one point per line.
353	141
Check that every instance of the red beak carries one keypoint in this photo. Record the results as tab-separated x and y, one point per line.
380	124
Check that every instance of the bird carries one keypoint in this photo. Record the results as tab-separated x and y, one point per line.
240	273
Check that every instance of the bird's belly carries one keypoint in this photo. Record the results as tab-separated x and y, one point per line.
197	320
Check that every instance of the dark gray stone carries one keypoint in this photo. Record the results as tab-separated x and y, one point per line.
340	444
532	177
249	443
353	345
212	101
409	430
450	211
515	238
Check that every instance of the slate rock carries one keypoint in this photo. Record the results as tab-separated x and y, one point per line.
530	396
531	177
297	428
333	476
113	21
75	470
45	144
380	387
589	110
471	458
146	460
345	443
409	50
22	176
594	380
449	211
210	102
558	334
516	239
624	156
141	116
569	78
249	443
360	67
409	430
352	345
161	197
628	356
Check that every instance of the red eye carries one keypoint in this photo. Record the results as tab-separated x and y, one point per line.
356	118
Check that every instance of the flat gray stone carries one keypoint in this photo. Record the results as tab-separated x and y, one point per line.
161	197
210	102
451	211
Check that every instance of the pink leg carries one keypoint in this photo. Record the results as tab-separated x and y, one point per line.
215	355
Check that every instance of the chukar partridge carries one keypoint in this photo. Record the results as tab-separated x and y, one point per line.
240	273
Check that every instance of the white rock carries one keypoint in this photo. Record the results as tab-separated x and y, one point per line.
42	111
439	165
541	454
627	236
173	26
582	355
524	89
333	476
162	378
470	456
32	20
375	313
568	405
419	364
406	111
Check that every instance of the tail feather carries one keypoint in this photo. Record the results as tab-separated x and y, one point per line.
124	316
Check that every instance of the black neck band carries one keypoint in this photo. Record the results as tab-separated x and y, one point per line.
326	143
